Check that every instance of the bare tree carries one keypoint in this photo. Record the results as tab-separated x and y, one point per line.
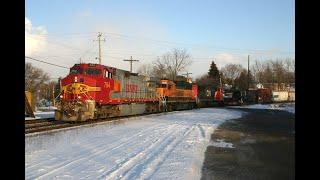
34	78
232	71
274	71
172	63
257	71
145	69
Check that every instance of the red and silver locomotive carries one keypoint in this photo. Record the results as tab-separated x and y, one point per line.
92	91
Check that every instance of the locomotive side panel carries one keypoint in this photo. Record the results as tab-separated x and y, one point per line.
132	109
132	86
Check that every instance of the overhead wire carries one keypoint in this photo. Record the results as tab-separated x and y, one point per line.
119	35
241	55
45	62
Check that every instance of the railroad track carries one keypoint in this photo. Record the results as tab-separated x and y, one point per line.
38	120
42	125
39	125
49	124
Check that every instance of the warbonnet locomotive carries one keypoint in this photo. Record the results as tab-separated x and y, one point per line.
93	91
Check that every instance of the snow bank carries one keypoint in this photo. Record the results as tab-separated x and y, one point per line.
170	146
289	107
50	108
221	143
41	115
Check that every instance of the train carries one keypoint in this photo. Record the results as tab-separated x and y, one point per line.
93	91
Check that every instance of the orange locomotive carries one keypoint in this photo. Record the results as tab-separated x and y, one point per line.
176	97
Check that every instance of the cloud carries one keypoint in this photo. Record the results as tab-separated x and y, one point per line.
222	59
35	39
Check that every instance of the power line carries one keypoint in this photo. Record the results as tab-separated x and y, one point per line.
46	62
68	34
180	43
177	43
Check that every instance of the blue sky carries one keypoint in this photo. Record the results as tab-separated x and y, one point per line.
218	29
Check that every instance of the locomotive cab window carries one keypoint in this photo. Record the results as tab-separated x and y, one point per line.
161	85
108	74
92	71
76	71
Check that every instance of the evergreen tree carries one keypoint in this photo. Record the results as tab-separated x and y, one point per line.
213	71
214	75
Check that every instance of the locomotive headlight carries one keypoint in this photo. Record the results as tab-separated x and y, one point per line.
75	79
61	96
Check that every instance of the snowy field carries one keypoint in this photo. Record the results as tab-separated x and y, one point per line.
167	146
290	107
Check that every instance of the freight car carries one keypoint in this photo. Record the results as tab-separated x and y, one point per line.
264	95
93	91
233	97
260	95
280	96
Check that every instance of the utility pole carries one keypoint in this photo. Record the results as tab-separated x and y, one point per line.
53	101
220	80
248	73
99	40
130	60
187	74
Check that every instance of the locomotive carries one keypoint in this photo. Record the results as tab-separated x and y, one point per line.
92	91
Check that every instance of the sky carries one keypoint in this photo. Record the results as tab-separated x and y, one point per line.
226	31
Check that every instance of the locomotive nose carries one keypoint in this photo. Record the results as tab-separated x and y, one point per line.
76	88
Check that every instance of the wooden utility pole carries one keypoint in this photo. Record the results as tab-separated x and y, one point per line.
130	60
53	99
187	74
99	40
248	78
220	80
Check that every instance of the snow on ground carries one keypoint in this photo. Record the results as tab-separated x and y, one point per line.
41	114
290	107
167	146
49	108
221	143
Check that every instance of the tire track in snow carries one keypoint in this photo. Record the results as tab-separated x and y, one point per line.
98	147
128	164
147	136
146	168
203	134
